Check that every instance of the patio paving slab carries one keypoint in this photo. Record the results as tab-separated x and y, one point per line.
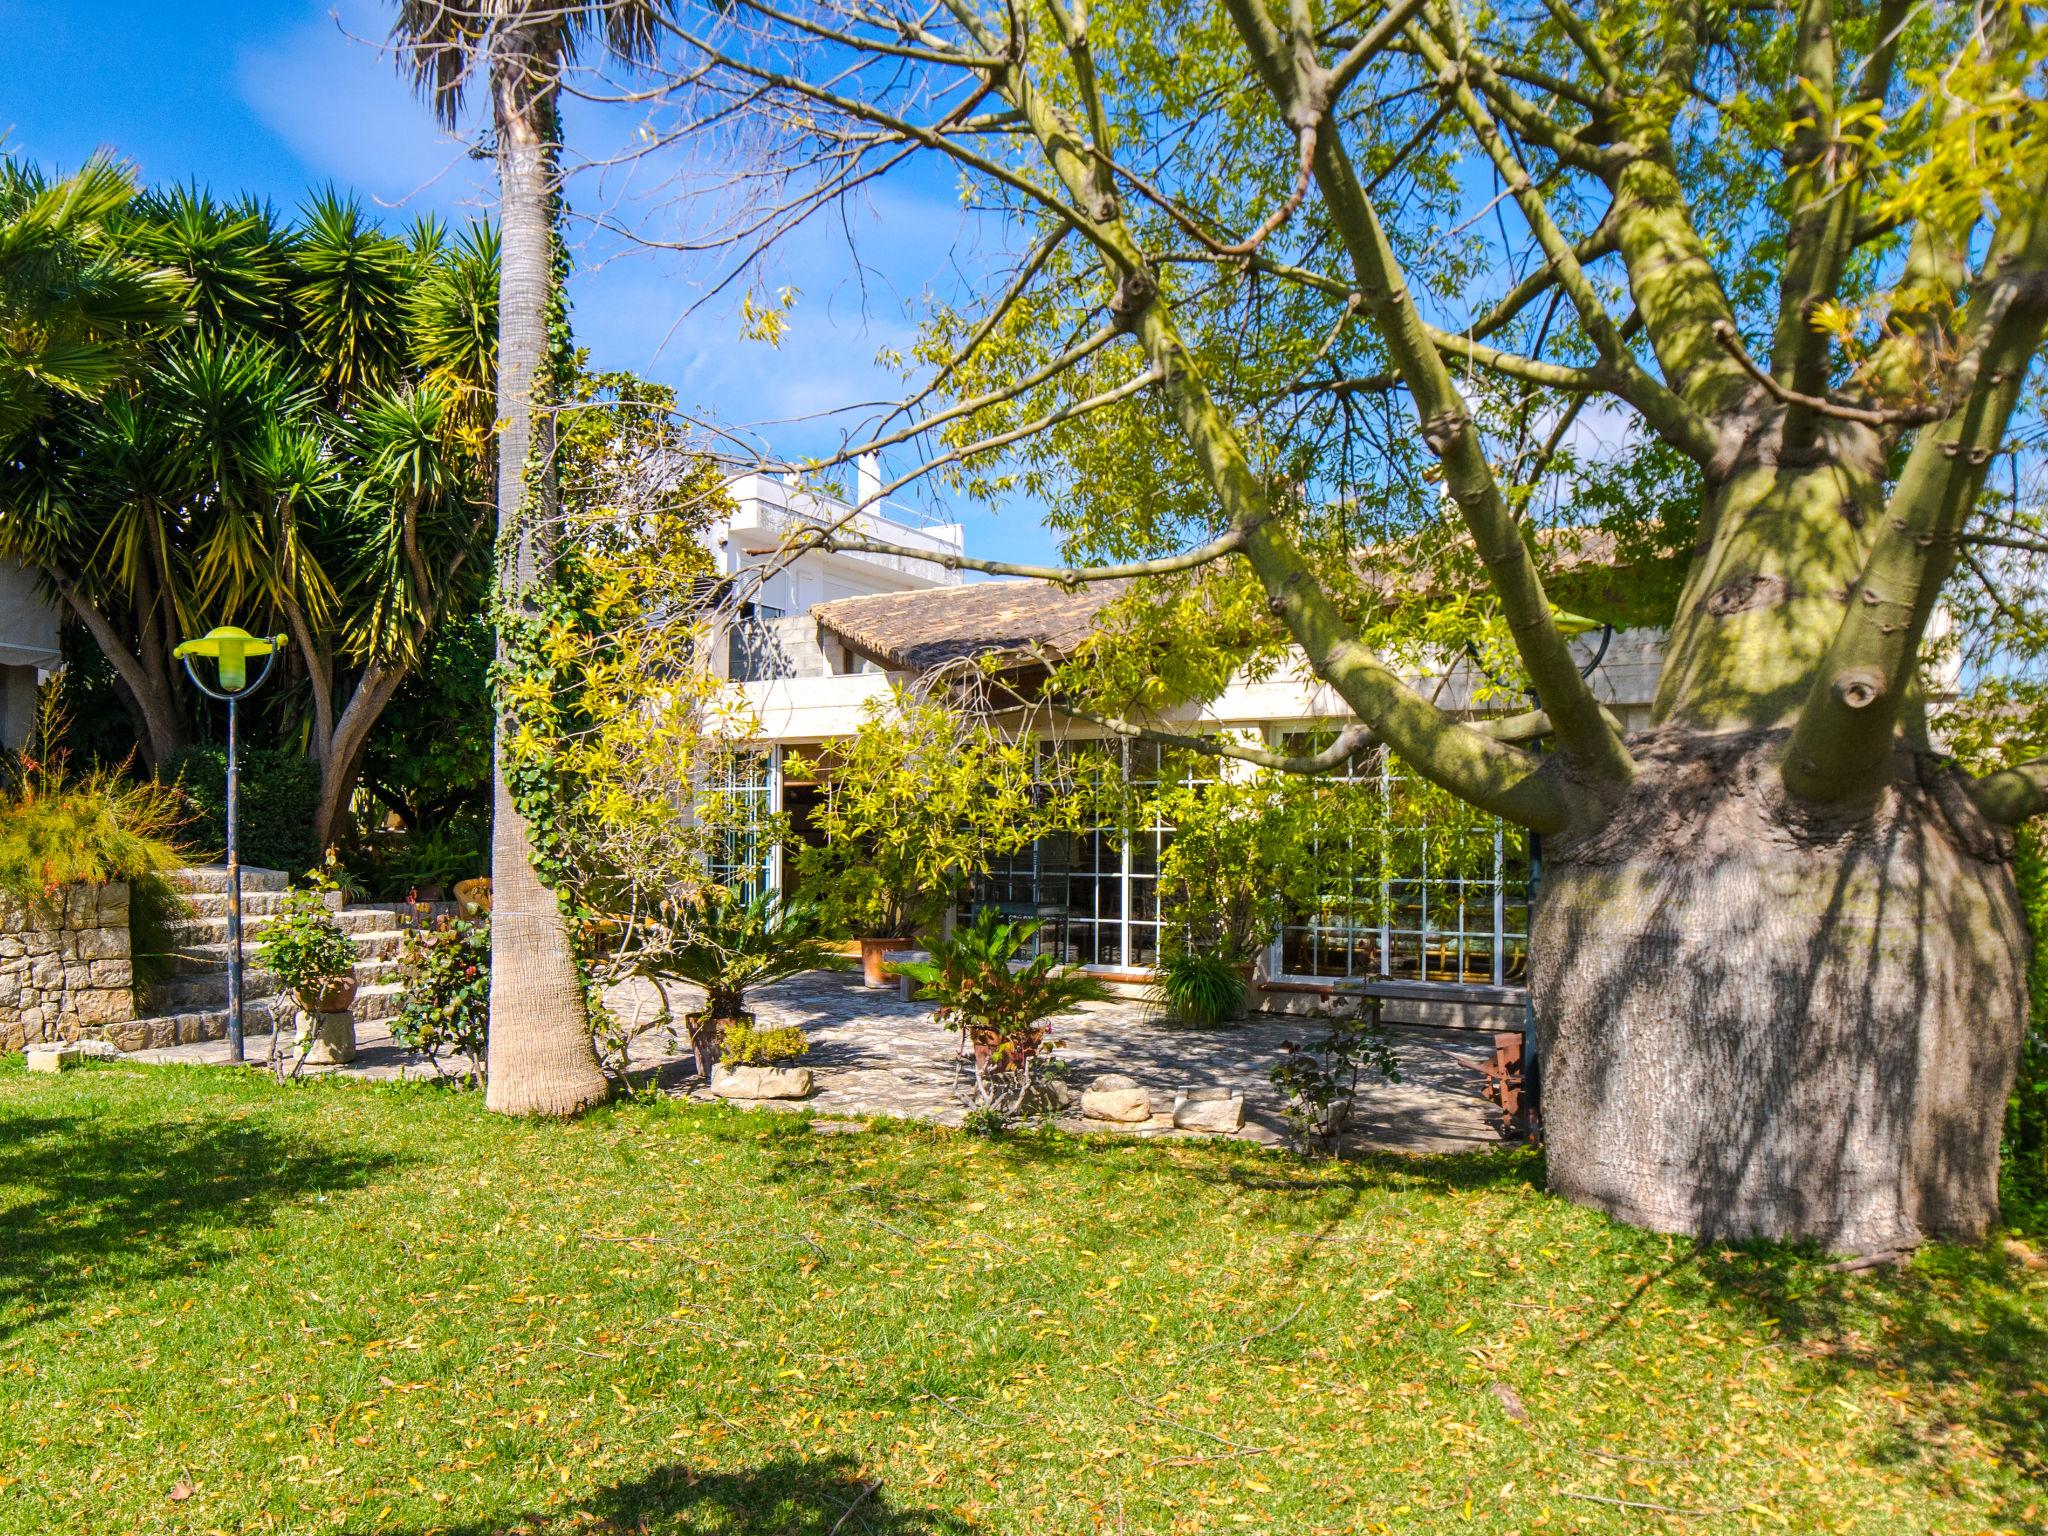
874	1055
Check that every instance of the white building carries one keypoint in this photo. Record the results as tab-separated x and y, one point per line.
834	632
28	648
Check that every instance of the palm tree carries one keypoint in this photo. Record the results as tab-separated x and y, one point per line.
540	1055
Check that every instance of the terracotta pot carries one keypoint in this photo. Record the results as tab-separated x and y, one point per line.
871	953
337	994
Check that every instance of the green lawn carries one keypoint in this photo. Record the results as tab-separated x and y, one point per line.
226	1306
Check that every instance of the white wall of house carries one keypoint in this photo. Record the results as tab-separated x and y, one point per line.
28	648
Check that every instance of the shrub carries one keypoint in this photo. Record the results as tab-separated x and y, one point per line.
56	832
444	975
728	944
745	1045
280	797
1318	1083
1199	989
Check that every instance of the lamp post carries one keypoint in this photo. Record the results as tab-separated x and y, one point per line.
230	650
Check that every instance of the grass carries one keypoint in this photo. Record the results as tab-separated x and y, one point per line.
227	1306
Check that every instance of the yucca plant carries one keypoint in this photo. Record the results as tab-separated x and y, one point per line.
1202	988
1000	1001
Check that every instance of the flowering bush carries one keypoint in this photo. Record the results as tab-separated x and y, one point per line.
445	974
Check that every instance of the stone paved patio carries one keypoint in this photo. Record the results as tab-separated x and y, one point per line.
872	1054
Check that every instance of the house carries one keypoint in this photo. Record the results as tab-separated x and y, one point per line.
825	635
28	648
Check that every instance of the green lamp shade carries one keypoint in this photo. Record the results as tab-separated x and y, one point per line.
231	648
1571	624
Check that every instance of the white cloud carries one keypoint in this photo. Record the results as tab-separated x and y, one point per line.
329	89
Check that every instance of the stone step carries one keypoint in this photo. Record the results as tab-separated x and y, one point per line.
194	932
372	1004
212	955
189	993
212	879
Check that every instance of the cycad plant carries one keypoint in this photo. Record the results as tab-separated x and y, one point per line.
1000	1001
730	943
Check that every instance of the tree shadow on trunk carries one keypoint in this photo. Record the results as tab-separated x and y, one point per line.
788	1497
122	1206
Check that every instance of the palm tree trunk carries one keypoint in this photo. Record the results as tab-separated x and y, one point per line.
540	1059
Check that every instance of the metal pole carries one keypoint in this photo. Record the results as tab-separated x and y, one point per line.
234	894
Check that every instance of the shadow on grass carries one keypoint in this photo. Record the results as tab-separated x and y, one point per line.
1963	1330
789	1497
87	1205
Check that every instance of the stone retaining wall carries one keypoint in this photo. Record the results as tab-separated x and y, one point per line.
66	970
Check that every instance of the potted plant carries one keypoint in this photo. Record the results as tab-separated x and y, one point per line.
304	947
728	944
921	799
1202	988
1000	1002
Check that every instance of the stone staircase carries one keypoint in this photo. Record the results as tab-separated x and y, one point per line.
191	1003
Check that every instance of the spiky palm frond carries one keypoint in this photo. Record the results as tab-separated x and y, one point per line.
73	305
234	259
348	299
226	396
415	522
730	943
452	317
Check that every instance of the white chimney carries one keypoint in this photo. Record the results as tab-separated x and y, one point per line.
868	477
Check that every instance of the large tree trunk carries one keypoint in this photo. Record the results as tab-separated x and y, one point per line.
540	1059
1755	1021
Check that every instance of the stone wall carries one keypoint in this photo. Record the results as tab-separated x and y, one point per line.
65	967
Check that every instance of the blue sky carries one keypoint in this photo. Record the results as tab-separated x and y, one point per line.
276	97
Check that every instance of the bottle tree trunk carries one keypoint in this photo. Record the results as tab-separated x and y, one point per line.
540	1058
1759	1020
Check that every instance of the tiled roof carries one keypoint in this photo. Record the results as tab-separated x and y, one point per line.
921	631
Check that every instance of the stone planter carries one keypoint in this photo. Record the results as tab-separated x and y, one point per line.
326	1038
761	1082
872	954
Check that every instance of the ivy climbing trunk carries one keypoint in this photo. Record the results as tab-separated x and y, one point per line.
540	1058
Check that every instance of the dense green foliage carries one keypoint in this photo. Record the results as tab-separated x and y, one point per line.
280	790
300	444
673	1318
444	973
73	302
923	798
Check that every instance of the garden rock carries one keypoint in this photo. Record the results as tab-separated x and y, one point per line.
62	1055
1117	1098
761	1082
1216	1110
